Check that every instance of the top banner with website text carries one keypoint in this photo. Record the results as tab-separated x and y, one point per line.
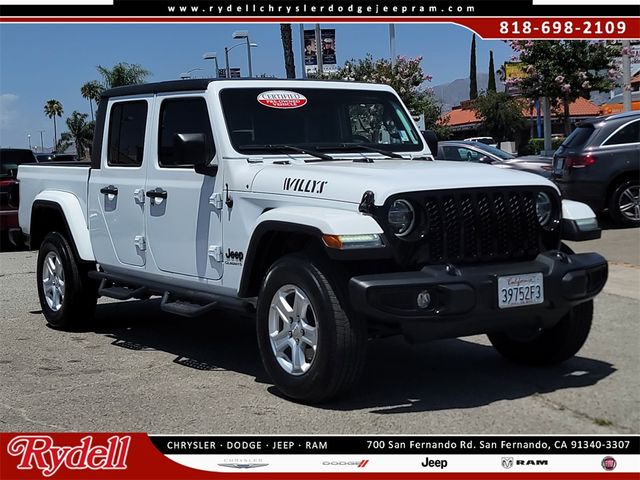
598	19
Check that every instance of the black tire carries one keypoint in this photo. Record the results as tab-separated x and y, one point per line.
80	292
341	339
614	203
550	346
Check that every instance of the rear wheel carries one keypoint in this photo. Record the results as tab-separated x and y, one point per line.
549	346
310	347
67	296
624	204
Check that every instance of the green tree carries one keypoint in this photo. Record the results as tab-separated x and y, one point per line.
287	47
52	109
80	133
473	77
123	74
92	91
406	77
566	70
491	86
64	142
501	114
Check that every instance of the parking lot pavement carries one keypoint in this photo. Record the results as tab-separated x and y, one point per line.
139	369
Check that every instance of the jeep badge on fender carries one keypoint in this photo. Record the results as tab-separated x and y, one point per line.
317	208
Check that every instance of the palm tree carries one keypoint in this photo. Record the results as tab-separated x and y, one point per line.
80	132
123	74
52	109
91	91
287	46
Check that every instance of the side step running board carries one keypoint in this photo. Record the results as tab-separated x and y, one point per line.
107	289
178	300
183	308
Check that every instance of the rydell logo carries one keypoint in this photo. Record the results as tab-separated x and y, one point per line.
39	452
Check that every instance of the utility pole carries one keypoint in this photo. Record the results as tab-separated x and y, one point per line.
319	49
302	53
392	43
626	76
41	141
546	107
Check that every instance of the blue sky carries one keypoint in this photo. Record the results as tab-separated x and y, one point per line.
40	62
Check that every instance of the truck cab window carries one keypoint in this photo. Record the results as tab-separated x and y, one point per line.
127	125
178	117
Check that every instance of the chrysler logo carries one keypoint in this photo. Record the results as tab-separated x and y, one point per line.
243	465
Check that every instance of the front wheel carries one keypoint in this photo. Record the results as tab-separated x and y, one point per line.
549	346
310	347
67	296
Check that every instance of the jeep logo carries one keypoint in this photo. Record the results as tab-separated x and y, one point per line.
234	255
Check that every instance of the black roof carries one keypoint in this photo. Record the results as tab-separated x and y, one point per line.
159	87
191	85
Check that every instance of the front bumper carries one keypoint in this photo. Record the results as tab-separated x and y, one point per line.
464	300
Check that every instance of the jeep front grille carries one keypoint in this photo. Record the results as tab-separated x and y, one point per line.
471	226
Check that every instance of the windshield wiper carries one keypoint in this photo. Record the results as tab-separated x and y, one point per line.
349	146
306	151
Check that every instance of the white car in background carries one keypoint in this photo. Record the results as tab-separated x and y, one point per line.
486	140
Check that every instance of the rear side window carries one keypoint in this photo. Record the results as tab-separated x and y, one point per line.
127	125
578	137
628	134
182	116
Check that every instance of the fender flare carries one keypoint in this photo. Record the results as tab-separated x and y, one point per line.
573	210
579	223
71	210
312	221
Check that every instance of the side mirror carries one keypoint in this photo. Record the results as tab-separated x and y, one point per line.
190	149
486	160
432	141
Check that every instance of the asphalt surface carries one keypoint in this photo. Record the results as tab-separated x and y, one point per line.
138	369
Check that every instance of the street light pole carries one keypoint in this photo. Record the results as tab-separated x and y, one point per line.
228	49
213	56
29	137
249	58
41	141
186	75
244	35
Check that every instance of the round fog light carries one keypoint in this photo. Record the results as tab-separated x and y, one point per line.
424	299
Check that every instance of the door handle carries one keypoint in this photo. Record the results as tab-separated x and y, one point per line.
157	193
110	190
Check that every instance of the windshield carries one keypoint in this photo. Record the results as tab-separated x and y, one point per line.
316	118
495	151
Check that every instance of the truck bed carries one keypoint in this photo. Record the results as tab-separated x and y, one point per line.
72	177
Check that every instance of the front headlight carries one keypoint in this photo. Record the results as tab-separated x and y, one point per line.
401	218
544	208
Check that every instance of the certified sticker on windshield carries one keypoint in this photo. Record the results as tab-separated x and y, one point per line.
284	99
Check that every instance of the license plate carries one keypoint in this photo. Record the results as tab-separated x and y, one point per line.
559	165
519	290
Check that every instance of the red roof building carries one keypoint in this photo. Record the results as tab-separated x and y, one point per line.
464	119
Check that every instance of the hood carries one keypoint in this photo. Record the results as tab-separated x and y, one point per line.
346	180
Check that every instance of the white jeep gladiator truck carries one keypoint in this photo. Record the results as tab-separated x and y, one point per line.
317	207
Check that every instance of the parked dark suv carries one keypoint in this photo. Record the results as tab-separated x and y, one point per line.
599	164
10	158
